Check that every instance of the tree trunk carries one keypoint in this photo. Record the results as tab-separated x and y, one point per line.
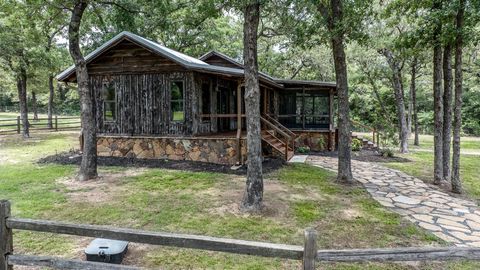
34	106
413	90
438	101
51	93
88	167
252	199
447	109
457	118
22	101
410	113
399	102
344	137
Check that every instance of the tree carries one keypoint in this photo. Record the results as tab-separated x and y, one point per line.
413	91
447	109
333	15
88	167
437	95
252	199
457	121
399	98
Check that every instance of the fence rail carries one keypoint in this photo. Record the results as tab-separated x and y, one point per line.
14	125
309	254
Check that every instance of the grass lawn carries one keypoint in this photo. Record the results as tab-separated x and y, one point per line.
422	163
467	144
296	197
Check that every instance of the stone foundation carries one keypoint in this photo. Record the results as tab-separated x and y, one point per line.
317	141
213	150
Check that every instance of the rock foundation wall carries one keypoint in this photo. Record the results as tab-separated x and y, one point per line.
317	141
213	150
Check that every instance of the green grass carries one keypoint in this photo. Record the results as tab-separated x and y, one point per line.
296	196
422	167
426	142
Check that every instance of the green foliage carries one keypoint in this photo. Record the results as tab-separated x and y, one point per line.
387	152
356	144
303	149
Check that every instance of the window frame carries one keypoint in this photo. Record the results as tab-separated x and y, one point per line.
106	84
172	81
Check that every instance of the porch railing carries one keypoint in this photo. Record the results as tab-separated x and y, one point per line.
287	137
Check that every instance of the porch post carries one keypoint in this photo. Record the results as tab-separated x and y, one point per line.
331	137
303	107
239	121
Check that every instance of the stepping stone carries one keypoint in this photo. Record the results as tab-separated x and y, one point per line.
465	237
424	218
405	200
429	226
447	222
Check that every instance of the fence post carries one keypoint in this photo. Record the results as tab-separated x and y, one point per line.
6	237
18	124
310	249
56	123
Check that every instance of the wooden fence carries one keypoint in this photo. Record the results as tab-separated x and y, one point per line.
308	253
14	125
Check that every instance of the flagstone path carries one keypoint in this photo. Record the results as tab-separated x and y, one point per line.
452	219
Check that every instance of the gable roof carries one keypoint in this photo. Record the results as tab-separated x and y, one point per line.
222	56
182	59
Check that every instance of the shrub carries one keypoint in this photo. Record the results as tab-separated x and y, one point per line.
356	144
303	149
387	152
321	143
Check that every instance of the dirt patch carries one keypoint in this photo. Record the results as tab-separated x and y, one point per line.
230	195
365	155
74	158
100	190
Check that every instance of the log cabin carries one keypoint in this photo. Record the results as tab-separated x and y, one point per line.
156	103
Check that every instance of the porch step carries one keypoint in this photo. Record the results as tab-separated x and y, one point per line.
367	144
277	144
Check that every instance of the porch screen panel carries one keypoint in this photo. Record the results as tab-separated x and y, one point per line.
316	110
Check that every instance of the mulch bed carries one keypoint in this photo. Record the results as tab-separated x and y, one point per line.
74	158
365	155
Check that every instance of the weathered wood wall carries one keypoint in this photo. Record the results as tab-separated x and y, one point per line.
143	104
218	61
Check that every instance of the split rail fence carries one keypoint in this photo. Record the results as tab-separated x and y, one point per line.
14	125
308	253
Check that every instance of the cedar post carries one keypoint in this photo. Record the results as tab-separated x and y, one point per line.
310	249
239	122
6	237
56	123
18	124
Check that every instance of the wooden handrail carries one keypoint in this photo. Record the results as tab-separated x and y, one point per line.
284	128
274	127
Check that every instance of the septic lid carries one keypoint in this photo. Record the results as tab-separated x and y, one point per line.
106	246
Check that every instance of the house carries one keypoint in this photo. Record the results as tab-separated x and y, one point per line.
154	102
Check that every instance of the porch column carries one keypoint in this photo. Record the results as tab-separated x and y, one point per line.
239	121
331	130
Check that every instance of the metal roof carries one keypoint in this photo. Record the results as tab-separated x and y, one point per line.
184	60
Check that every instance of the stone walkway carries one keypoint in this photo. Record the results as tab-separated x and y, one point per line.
452	219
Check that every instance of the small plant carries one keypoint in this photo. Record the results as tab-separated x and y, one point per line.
387	152
356	144
303	149
321	143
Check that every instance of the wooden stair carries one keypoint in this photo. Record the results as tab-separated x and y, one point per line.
367	144
277	144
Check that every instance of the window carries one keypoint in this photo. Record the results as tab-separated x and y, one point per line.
109	102
205	98
177	101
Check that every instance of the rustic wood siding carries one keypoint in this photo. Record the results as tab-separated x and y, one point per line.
143	104
218	61
128	57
